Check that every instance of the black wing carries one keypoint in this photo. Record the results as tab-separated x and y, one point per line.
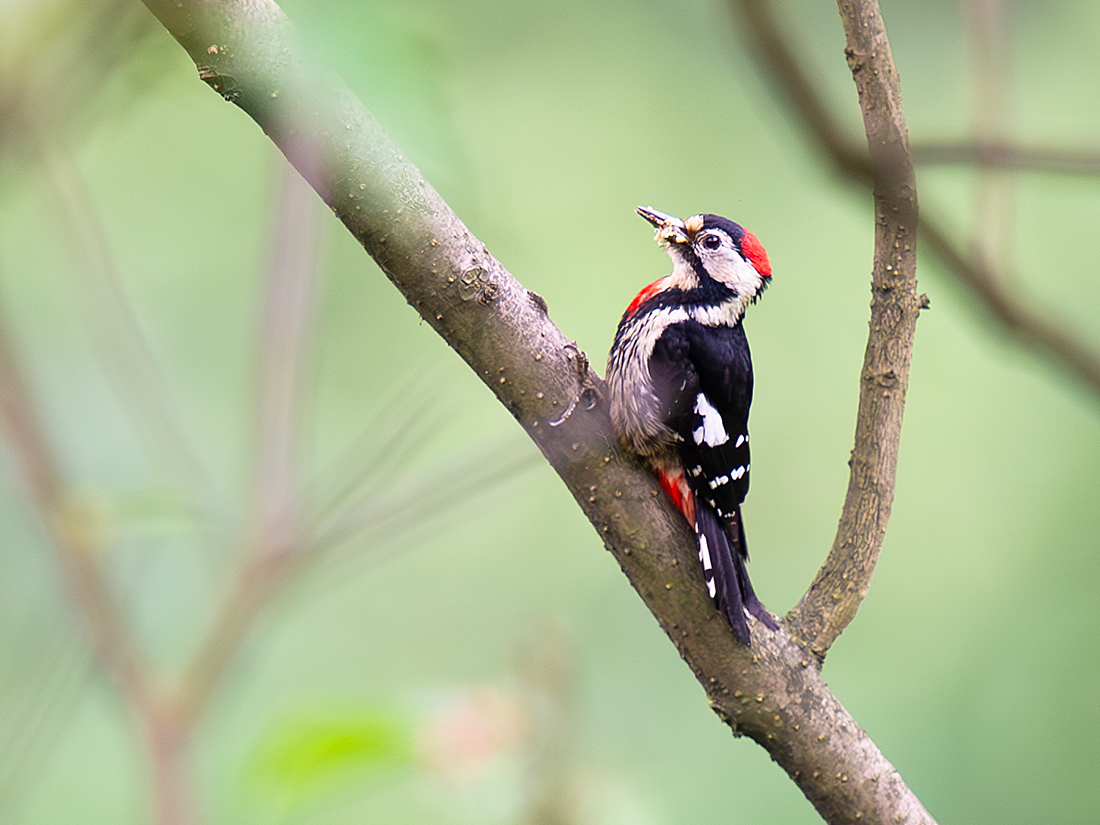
703	379
714	421
673	375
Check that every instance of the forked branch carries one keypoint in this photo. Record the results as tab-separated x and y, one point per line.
1018	314
772	691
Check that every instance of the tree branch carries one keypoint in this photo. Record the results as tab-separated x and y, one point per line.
284	354
1048	335
123	349
843	580
70	531
997	154
72	536
274	537
845	577
772	691
989	39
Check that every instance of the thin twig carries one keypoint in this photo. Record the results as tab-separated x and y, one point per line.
124	350
1036	329
366	468
995	153
254	583
418	500
989	39
39	695
285	354
73	539
274	541
71	535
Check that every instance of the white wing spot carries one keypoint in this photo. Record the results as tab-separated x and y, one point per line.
713	432
741	439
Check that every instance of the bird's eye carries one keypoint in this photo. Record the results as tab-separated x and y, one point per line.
712	241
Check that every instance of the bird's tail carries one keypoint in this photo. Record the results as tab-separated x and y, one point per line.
736	527
723	553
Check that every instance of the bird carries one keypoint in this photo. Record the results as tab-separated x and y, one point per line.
680	382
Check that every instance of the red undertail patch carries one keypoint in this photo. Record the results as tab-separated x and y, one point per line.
676	485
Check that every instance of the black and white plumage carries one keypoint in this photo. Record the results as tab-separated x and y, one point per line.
680	380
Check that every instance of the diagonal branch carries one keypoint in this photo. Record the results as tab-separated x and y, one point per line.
1033	327
69	530
72	535
771	692
123	349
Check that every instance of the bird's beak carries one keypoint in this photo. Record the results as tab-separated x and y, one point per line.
669	229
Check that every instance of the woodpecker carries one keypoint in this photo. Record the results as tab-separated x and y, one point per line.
680	380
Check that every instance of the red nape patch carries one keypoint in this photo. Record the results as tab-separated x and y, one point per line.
753	250
645	295
676	485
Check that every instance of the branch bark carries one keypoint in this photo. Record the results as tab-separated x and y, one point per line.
844	579
771	692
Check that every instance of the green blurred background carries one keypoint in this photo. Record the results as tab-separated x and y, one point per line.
481	659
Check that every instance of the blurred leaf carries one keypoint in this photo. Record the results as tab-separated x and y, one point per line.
308	756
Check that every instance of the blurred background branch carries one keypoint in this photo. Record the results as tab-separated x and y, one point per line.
996	153
60	85
206	579
989	43
983	270
125	353
247	53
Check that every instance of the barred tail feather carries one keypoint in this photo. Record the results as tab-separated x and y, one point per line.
723	552
722	569
748	595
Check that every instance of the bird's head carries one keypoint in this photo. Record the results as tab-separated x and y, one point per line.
711	247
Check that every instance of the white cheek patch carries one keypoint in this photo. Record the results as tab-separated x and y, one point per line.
713	432
729	268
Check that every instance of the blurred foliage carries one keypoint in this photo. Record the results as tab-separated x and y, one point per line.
543	125
303	758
